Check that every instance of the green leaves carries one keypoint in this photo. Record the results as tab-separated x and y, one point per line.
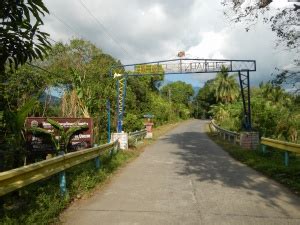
22	41
178	92
56	125
225	87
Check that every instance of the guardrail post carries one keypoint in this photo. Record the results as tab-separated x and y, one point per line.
286	158
263	149
62	182
112	151
97	160
62	178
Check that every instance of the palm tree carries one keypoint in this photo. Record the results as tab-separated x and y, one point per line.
274	95
225	86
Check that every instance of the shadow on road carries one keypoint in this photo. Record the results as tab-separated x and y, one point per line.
206	161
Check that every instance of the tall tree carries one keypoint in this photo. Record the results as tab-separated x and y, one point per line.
204	99
178	92
21	41
225	87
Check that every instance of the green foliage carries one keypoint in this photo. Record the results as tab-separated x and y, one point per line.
142	98
13	143
275	113
225	86
229	116
178	92
221	90
82	71
204	99
21	37
132	122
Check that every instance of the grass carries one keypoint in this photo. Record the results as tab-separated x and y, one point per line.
270	163
41	202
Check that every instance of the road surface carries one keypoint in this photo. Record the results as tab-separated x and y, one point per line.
185	178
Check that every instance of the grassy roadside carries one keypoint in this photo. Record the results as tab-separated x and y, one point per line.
270	163
41	203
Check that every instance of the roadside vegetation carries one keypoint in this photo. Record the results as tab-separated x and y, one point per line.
275	112
78	71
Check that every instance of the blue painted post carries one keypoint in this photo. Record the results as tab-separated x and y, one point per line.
108	120
97	160
98	163
62	182
263	148
286	158
62	179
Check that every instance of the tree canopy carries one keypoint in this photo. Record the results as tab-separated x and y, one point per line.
179	92
21	39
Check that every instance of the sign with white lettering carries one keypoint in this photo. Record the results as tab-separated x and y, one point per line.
79	141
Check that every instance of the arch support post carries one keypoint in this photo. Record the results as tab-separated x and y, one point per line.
245	92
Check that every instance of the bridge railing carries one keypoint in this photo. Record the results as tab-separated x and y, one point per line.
286	147
231	136
136	136
20	177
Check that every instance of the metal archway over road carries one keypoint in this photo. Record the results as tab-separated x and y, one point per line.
185	66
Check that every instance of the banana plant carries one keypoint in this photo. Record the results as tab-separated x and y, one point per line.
62	142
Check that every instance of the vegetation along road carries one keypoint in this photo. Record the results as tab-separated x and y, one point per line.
185	178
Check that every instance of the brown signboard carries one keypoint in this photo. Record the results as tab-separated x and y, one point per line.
80	141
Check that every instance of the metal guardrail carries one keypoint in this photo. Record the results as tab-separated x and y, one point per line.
227	134
264	142
20	177
137	135
280	145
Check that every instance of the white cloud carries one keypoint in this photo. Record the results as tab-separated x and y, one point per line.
211	45
142	30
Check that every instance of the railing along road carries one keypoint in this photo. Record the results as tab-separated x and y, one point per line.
20	177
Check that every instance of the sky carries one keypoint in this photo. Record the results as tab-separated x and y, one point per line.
137	31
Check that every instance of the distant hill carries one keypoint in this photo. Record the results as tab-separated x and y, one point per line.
53	99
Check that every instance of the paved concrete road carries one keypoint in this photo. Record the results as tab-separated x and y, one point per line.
184	178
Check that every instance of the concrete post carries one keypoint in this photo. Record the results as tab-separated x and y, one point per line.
249	140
